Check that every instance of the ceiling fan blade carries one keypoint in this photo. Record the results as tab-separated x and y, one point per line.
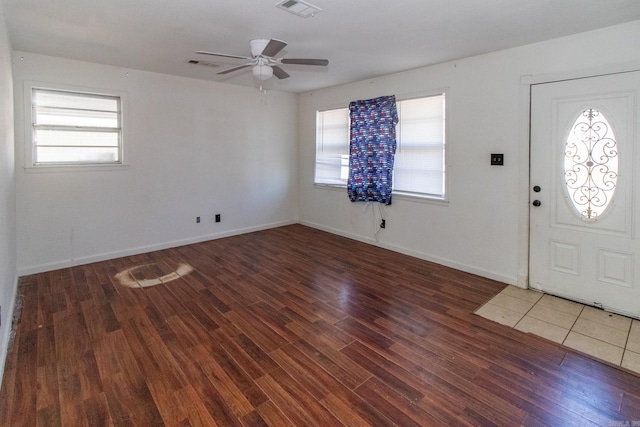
273	47
279	72
231	70
305	61
223	55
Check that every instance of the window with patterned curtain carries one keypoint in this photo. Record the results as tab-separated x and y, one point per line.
372	148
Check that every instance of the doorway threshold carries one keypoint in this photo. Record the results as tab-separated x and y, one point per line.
598	333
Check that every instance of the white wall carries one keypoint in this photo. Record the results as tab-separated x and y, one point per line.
8	274
195	148
484	227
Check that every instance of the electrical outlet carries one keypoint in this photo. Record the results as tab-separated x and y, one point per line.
218	219
497	159
197	220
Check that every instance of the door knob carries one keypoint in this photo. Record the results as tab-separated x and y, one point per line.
537	188
536	203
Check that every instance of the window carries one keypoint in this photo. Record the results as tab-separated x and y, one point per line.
332	147
591	164
419	161
74	128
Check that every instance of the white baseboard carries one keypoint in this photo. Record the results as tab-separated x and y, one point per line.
7	323
144	249
523	281
417	254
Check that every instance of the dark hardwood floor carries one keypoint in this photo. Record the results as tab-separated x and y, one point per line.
290	327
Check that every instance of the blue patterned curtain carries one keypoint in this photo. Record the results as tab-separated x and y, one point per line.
372	149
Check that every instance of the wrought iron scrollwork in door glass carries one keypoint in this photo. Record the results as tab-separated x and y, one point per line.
591	164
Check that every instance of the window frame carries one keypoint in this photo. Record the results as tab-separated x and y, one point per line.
411	196
315	163
30	164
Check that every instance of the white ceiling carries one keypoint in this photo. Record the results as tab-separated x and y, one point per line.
361	38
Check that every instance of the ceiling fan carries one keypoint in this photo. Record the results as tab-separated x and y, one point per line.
263	62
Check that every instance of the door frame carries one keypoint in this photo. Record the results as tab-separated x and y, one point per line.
524	158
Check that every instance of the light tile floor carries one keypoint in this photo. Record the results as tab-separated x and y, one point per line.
607	336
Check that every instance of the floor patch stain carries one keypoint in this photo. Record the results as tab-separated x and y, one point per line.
129	277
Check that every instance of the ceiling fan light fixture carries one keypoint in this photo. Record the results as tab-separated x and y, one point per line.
262	72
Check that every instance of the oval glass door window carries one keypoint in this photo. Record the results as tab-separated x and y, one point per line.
591	164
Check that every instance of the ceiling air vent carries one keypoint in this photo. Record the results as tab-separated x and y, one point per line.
205	63
299	7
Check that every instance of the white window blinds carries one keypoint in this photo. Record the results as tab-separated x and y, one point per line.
332	147
419	164
419	167
75	128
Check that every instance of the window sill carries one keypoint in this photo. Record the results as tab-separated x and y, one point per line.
335	187
420	198
410	197
74	168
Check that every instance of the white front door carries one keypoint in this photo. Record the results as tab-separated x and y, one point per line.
585	191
